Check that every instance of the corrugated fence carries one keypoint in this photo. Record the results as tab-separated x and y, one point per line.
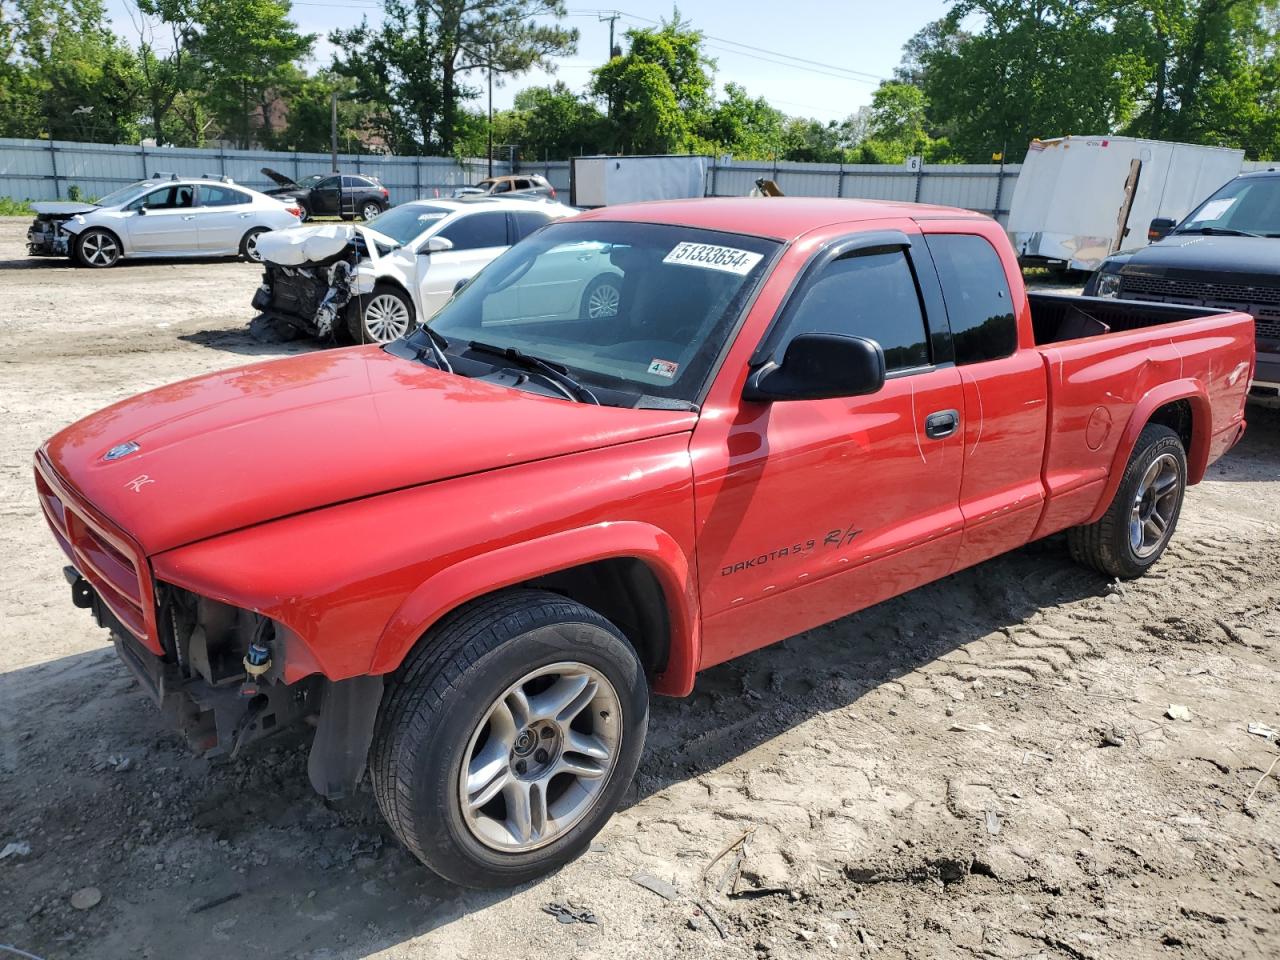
46	170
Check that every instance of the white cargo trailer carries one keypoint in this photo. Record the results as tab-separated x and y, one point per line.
1079	199
600	181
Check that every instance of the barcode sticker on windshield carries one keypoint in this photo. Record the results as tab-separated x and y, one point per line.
711	257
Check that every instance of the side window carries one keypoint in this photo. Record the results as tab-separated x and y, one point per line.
977	295
870	295
528	221
329	183
221	196
523	184
477	230
502	186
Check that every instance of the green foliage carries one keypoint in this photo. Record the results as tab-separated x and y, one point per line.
553	123
418	68
9	207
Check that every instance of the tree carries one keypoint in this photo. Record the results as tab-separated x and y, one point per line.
246	51
166	67
659	92
413	66
553	123
1029	69
745	126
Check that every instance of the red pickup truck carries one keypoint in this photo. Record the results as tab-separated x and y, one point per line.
468	556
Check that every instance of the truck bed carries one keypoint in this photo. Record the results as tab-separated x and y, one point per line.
1057	317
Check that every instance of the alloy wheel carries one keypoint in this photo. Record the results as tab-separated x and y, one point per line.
100	249
1154	506
540	758
603	302
386	318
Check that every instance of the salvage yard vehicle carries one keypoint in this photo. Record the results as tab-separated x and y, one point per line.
376	282
342	195
161	217
525	184
1225	254
469	555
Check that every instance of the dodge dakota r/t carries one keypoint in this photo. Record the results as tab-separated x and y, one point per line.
468	556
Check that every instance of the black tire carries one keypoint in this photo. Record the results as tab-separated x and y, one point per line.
1107	545
306	214
591	297
248	245
370	209
98	248
359	319
439	697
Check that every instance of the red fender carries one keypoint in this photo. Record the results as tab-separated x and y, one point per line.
519	562
1190	390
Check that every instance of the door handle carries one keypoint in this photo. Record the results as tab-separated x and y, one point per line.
189	217
941	424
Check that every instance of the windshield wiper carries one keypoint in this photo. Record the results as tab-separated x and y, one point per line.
557	374
436	345
1221	231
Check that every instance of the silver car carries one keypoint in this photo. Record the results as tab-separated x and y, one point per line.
160	217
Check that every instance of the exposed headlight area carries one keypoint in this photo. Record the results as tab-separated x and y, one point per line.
1108	285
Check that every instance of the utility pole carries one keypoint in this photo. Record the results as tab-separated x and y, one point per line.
333	129
490	112
612	16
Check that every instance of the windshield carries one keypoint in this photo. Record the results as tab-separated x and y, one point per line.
124	194
407	221
638	307
1247	205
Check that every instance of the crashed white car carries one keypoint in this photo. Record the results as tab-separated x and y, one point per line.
376	282
166	216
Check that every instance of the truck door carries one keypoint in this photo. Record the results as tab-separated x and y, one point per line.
1005	393
810	509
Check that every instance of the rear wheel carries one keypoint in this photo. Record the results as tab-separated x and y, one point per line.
601	299
507	738
382	316
98	248
1134	532
370	209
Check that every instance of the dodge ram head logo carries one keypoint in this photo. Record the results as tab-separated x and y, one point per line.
121	450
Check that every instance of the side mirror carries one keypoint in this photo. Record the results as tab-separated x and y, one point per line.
1160	228
460	284
819	366
436	245
142	209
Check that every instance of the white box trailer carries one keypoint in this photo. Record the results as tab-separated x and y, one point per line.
1079	199
600	181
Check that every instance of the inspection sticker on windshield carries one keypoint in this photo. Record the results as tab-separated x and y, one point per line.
711	257
1214	209
663	368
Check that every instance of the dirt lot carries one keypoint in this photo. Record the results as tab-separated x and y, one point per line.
981	768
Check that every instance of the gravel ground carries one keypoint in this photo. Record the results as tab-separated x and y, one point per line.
984	767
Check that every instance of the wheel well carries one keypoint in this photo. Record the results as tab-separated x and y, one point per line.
626	592
107	230
1178	417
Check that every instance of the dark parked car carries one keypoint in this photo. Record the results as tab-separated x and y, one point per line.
1226	254
521	185
343	195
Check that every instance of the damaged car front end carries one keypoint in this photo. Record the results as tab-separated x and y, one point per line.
312	277
47	236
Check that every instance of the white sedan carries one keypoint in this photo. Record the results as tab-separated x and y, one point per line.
173	217
377	282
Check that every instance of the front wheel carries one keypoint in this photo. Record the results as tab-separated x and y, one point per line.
382	316
507	738
249	245
1134	532
98	248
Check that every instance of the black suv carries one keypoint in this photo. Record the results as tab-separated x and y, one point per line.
343	195
1225	254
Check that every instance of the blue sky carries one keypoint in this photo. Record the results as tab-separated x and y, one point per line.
849	44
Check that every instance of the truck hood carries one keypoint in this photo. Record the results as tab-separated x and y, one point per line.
62	208
240	447
1187	254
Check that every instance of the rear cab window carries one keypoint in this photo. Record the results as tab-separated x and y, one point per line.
976	292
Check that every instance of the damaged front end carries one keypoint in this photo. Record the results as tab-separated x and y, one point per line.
47	236
312	276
